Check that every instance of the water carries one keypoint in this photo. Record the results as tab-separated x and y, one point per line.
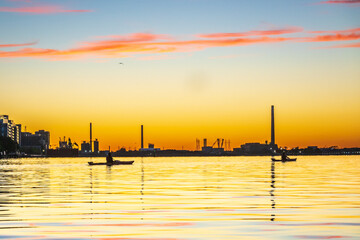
223	198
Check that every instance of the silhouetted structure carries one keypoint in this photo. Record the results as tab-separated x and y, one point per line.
37	143
272	127
142	136
210	150
150	148
7	146
90	137
254	149
85	147
96	146
45	135
65	149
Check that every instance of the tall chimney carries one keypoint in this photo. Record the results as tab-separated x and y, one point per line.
272	126
142	136
205	142
90	137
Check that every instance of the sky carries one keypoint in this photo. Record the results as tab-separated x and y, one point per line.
185	69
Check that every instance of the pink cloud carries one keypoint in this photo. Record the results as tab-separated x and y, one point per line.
17	45
26	1
339	35
148	43
40	9
138	43
353	30
335	37
254	33
341	2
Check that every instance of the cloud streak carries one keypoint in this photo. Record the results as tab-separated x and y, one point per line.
30	7
148	43
339	35
354	3
254	33
17	45
49	9
341	2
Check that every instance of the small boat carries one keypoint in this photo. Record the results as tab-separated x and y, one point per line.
287	160
116	162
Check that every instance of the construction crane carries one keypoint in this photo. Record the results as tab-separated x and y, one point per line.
218	143
214	143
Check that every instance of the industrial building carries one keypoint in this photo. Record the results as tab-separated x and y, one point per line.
91	147
254	148
65	149
260	148
214	151
38	142
151	146
96	146
85	147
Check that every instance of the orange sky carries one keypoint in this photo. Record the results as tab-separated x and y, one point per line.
211	73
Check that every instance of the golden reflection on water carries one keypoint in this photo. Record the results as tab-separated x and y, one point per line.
316	197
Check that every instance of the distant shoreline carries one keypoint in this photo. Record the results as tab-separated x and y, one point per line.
163	156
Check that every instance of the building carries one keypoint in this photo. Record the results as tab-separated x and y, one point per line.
272	143
96	146
255	149
151	148
9	129
85	147
38	142
45	137
65	149
210	150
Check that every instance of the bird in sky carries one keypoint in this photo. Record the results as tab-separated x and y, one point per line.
121	63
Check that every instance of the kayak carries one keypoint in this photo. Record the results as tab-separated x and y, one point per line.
280	160
116	162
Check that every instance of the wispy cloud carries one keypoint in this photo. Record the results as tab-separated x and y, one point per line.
339	35
49	9
138	43
148	43
352	30
26	1
31	7
356	2
17	45
254	33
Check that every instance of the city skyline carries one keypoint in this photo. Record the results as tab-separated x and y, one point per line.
87	144
190	70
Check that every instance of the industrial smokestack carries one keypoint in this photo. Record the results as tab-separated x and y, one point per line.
272	126
142	136
205	142
90	137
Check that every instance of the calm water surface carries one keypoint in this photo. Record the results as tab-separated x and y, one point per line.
181	198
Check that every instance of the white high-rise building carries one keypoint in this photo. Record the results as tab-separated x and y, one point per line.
9	129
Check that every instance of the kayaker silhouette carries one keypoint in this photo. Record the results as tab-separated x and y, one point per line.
109	159
283	156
